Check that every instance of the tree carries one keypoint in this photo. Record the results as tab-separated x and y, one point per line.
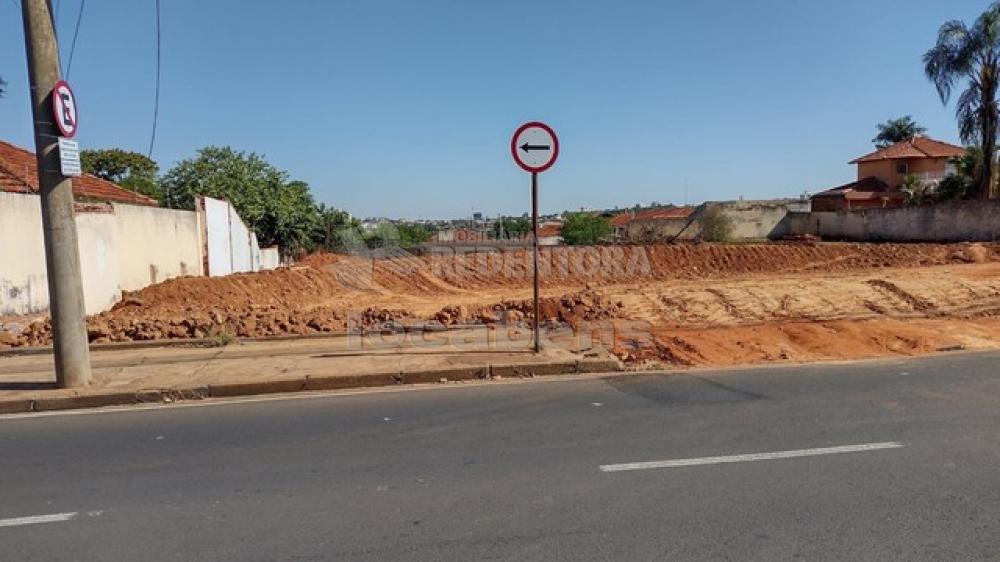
897	130
961	184
513	227
715	224
917	191
128	169
580	229
972	55
281	212
332	225
402	235
3	87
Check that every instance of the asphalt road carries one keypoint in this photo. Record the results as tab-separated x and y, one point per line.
513	471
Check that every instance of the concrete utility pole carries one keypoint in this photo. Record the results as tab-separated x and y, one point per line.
62	253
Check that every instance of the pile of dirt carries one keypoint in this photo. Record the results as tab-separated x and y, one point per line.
330	293
570	309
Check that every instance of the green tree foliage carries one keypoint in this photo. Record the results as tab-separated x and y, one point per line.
130	170
581	229
961	184
333	226
391	235
971	55
917	191
897	130
281	212
513	227
715	224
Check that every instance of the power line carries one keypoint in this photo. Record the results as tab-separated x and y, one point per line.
76	32
156	100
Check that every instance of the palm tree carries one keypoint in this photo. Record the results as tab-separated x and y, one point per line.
897	130
972	54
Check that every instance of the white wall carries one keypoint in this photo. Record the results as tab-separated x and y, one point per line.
157	244
232	247
23	285
269	258
122	247
101	258
242	243
216	217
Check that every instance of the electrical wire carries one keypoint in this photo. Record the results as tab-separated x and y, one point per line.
156	98
76	33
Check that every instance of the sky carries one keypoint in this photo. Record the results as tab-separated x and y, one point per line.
405	108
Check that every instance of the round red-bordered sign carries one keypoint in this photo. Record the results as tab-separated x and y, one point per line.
64	110
535	147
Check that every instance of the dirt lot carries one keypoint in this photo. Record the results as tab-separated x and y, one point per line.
691	305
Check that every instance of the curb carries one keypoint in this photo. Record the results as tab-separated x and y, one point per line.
304	384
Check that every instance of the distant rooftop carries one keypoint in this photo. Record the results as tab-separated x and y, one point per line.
621	219
913	147
19	174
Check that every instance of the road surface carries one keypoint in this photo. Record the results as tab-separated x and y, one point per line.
882	460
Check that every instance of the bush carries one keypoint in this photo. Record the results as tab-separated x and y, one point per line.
716	225
584	229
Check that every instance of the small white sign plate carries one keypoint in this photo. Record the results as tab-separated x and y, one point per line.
69	157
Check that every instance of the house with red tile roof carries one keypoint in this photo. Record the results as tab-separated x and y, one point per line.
19	174
883	172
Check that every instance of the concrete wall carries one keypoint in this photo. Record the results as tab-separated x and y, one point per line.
231	246
759	220
751	220
657	230
157	244
947	222
243	243
101	258
122	247
269	258
23	285
215	215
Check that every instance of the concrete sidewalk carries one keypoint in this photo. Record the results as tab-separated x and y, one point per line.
139	374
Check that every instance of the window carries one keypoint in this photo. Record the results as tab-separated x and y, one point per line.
902	168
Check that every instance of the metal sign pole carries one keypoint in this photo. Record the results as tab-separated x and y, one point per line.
534	244
535	148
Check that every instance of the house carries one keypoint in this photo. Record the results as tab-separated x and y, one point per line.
656	224
550	234
883	172
19	174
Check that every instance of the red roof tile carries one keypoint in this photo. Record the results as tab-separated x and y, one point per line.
621	219
549	230
867	188
19	174
915	147
869	184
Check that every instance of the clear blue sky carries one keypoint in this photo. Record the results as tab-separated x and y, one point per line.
404	108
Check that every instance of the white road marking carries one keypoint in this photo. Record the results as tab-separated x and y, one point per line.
34	520
751	457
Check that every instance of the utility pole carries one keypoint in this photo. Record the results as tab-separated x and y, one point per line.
62	253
